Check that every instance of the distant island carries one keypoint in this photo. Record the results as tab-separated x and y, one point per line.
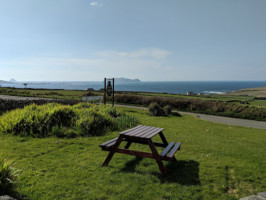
12	80
126	80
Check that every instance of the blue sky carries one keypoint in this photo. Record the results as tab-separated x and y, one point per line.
153	40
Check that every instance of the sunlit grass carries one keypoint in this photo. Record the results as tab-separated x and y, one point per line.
215	162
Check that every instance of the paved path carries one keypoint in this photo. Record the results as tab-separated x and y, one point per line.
218	119
259	196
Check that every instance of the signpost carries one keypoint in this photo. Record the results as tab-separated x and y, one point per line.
109	90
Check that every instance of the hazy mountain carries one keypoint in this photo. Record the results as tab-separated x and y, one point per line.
2	81
126	80
12	80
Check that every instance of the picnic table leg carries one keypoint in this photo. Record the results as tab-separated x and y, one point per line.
113	150
128	144
165	142
163	139
157	157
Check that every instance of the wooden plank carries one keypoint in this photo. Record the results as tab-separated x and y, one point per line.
106	149
155	130
134	153
174	149
167	149
135	139
142	141
136	127
150	129
110	141
110	144
139	130
151	134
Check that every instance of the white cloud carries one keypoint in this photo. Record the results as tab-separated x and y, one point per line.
96	4
147	53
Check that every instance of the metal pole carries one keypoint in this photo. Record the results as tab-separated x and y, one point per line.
113	91
104	95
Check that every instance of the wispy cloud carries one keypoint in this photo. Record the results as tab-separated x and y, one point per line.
132	64
146	53
96	4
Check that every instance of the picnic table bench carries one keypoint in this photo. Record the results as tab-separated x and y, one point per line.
142	135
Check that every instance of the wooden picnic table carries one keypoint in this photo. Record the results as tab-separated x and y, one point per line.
142	135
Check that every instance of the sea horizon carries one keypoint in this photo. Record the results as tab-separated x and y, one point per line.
172	87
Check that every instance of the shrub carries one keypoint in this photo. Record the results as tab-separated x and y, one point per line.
64	121
167	110
123	121
8	176
156	110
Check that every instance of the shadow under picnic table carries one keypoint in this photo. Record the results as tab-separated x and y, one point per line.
180	171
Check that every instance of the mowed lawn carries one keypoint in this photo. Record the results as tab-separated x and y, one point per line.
215	162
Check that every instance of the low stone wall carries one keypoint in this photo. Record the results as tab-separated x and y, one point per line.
7	104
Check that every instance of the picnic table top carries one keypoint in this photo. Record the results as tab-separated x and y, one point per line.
141	131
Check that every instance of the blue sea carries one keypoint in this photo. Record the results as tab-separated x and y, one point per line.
174	87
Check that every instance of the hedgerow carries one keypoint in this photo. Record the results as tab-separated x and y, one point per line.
197	105
64	121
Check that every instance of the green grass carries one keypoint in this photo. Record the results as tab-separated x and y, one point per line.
258	103
215	162
56	94
215	97
8	175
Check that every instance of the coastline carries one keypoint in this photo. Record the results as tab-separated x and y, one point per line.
255	92
171	87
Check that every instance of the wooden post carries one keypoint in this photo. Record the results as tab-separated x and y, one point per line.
104	95
113	91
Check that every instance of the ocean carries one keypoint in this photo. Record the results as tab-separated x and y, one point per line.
174	87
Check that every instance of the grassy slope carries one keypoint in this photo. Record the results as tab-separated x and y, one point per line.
256	92
215	162
60	94
215	97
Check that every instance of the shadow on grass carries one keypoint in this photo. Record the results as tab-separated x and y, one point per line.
176	114
181	171
131	165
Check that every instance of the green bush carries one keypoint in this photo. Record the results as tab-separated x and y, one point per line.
8	176
63	120
167	110
156	110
